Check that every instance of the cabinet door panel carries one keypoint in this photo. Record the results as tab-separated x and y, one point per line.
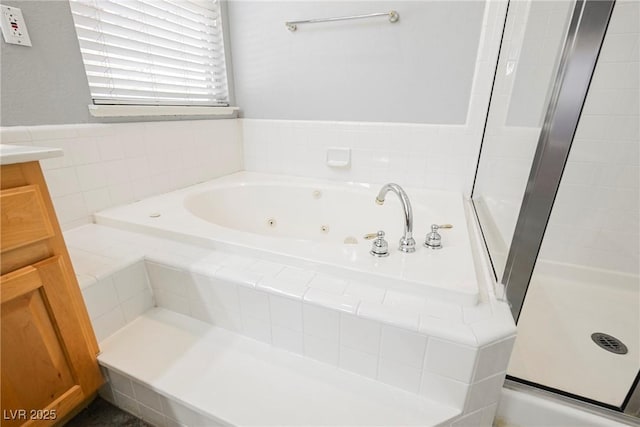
24	217
51	366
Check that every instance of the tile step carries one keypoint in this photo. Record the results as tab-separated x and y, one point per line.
231	379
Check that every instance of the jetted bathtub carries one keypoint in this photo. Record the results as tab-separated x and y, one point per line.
316	224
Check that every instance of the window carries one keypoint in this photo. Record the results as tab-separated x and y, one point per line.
152	52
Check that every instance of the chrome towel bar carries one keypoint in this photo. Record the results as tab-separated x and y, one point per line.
293	25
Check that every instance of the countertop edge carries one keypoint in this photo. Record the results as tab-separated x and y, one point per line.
11	154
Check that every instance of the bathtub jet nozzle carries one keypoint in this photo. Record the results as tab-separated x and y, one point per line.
407	242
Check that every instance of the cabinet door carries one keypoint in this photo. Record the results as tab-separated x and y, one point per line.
47	368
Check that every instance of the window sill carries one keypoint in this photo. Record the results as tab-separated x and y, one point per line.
160	110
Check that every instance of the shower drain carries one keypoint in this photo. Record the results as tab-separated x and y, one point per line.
609	343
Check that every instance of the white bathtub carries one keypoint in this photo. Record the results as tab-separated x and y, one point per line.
314	224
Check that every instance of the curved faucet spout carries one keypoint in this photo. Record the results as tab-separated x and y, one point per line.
407	243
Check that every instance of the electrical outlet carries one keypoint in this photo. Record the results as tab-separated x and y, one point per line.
14	30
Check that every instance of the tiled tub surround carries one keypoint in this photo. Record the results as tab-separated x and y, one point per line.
305	222
216	377
106	165
450	354
116	296
434	156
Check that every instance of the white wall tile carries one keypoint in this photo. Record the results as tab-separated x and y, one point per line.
286	313
359	362
342	303
85	280
110	149
91	176
151	416
258	329
365	292
130	160
238	275
403	318
120	193
180	413
493	358
295	275
106	392
360	334
215	292
607	138
127	404
100	298
15	134
254	303
485	392
168	279
444	390
146	396
173	423
402	346
171	301
57	162
97	200
116	171
294	290
398	374
108	323
62	182
265	268
329	284
84	150
324	350
136	305
488	415
130	281
448	330
403	300
121	383
474	419
395	151
89	263
451	360
287	339
321	322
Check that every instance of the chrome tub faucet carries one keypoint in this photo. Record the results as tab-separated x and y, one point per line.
407	242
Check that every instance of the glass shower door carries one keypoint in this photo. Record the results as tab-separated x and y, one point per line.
579	328
532	42
557	195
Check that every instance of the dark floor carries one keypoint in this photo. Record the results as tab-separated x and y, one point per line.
101	413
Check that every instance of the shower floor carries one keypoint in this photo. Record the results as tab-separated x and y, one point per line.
554	346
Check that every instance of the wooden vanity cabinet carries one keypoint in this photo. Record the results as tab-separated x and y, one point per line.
48	348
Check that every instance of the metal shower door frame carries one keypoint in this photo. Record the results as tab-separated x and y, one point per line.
579	57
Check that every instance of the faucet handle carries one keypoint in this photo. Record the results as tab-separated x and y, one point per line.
380	247
433	239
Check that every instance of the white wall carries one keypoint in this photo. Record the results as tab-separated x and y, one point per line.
106	165
418	70
596	215
45	83
437	156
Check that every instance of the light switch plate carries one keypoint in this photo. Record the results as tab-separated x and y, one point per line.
14	30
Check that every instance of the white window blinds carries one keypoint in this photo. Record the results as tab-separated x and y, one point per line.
152	52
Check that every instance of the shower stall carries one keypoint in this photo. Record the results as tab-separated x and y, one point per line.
557	198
